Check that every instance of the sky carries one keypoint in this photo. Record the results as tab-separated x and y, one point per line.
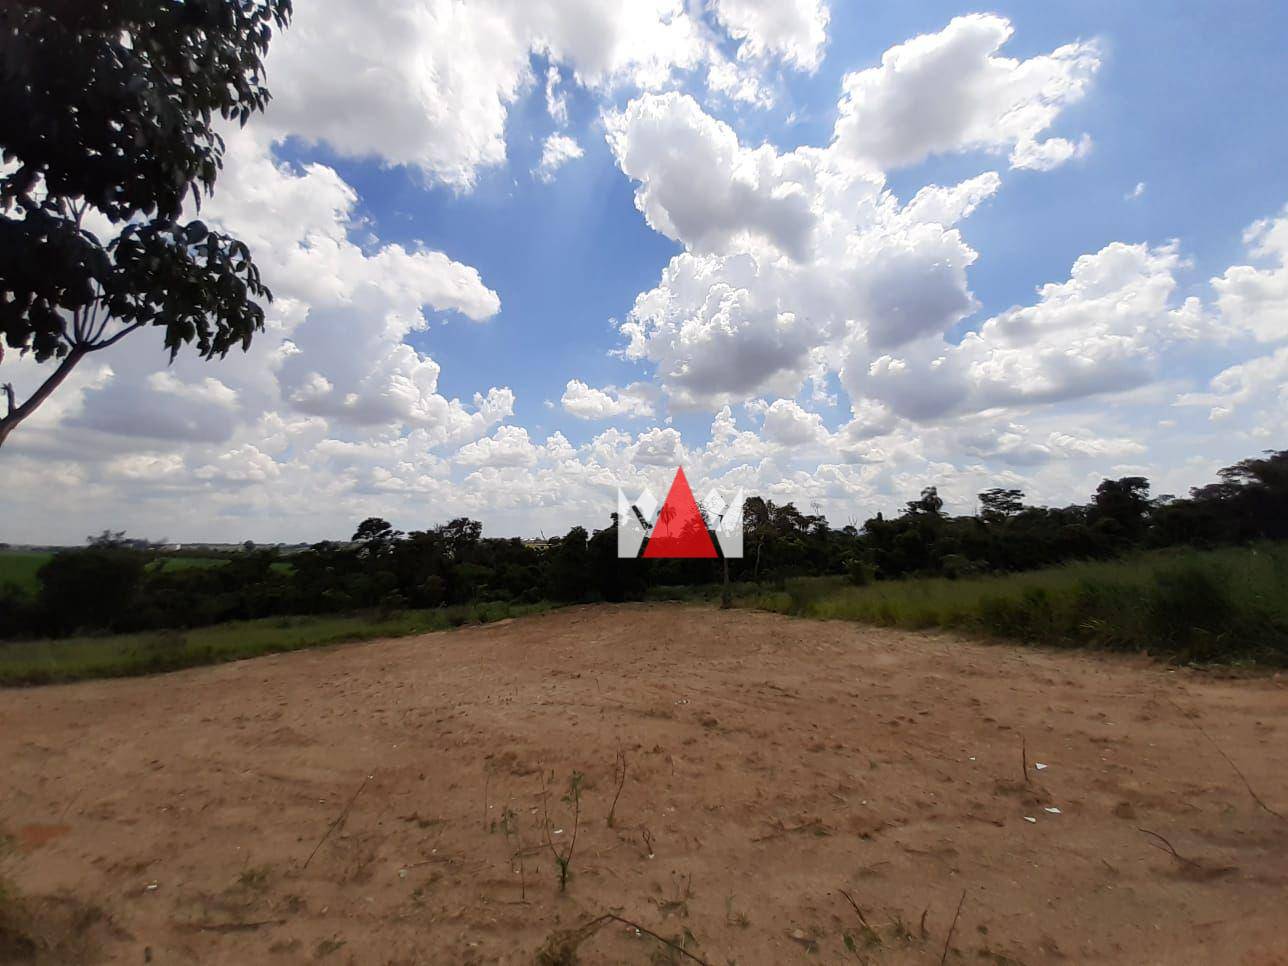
524	252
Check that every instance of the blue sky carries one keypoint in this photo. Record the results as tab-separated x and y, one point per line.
514	284
1188	101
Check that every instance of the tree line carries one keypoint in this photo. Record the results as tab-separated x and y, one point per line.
116	584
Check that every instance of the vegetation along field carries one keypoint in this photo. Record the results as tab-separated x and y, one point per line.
1200	578
1229	604
117	655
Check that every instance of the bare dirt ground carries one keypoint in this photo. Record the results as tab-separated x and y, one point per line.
773	766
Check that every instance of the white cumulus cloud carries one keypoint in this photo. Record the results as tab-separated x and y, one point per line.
556	151
951	91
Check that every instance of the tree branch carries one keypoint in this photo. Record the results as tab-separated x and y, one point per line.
93	324
116	338
18	414
8	392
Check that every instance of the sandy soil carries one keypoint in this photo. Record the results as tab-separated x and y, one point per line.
774	766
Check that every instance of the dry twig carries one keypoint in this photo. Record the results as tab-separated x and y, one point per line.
1220	751
949	938
620	772
858	911
339	819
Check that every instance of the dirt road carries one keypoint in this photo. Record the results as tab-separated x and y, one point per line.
772	767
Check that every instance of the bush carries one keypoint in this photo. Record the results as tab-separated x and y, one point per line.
1189	602
1226	605
956	565
93	588
859	572
18	611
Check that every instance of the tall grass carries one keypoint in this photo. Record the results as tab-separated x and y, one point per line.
120	655
1202	606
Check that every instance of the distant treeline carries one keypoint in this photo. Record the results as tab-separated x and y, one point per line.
112	585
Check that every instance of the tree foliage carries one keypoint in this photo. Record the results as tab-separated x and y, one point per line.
110	106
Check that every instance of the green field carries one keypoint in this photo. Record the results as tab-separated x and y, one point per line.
121	655
1226	605
19	567
186	563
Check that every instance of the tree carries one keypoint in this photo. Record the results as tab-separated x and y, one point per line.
373	530
1121	507
998	504
107	107
931	503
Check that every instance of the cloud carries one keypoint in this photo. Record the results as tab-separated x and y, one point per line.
949	92
786	253
737	82
508	446
1256	390
1014	444
556	100
697	184
658	447
244	464
587	402
787	423
794	31
557	151
335	345
1105	329
937	205
430	83
425	84
1254	299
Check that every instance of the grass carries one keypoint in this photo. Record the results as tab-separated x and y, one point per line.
124	655
186	563
171	564
19	567
1225	606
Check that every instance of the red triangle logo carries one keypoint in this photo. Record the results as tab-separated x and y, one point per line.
680	530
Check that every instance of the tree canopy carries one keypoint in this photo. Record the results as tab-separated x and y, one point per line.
111	107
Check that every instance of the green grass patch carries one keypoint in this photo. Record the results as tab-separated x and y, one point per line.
186	563
1225	606
167	564
123	655
19	567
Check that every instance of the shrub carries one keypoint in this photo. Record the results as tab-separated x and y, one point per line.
18	611
859	571
1188	603
92	588
956	565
